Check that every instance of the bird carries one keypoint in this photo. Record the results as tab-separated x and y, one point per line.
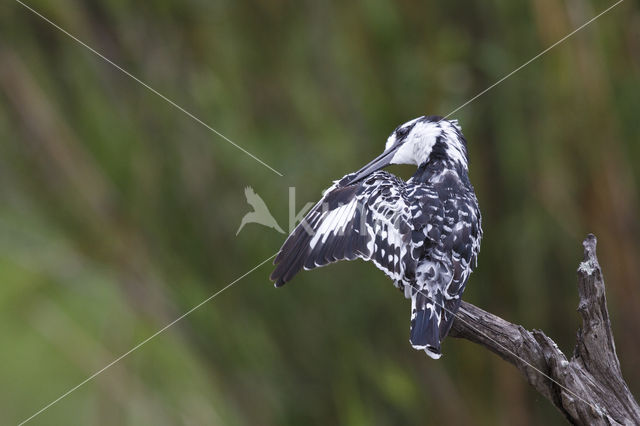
423	233
260	213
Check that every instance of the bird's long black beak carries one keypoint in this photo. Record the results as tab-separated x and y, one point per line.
378	163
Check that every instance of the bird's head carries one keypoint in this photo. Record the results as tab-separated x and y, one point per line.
417	142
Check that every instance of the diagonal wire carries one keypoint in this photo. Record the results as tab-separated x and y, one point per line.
533	59
506	349
163	329
151	89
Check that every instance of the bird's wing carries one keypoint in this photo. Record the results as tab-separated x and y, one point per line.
446	228
370	220
451	232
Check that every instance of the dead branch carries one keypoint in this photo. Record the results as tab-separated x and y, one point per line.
589	389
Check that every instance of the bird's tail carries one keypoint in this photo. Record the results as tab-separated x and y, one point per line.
425	323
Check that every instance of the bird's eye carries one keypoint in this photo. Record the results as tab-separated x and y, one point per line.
402	132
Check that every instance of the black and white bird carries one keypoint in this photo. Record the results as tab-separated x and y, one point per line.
423	233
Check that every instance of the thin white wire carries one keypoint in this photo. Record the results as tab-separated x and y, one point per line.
508	350
91	377
533	59
127	73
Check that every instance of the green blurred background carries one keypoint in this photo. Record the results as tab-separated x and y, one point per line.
118	212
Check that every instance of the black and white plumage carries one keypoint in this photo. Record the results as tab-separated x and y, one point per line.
423	233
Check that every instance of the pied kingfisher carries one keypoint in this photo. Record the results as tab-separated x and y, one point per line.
423	233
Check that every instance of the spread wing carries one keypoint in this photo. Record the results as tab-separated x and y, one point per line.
370	220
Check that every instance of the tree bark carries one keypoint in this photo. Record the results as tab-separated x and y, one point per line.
589	389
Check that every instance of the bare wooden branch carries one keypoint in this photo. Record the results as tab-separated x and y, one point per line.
589	389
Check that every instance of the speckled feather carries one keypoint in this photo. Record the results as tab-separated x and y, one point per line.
423	233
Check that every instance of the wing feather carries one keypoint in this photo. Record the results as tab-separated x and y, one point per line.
355	221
